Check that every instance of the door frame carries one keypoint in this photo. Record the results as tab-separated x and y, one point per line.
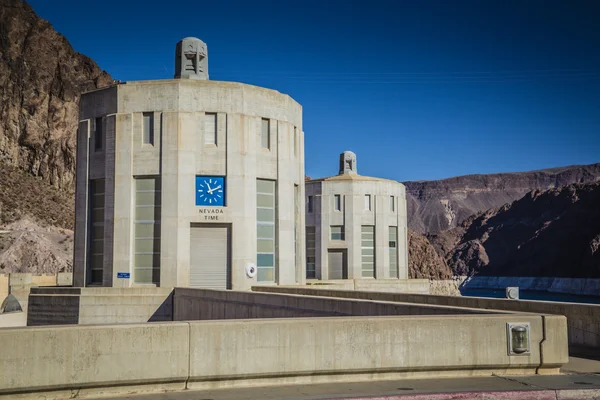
344	262
229	226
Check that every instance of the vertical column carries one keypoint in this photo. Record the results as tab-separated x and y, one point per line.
80	247
322	234
402	238
242	134
186	188
382	266
124	200
170	199
354	215
301	220
285	255
109	199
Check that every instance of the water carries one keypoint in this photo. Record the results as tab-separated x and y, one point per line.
532	295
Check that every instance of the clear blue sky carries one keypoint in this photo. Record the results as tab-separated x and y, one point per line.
418	90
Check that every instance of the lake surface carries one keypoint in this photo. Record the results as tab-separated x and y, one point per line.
532	295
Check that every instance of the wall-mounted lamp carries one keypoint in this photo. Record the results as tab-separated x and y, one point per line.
519	342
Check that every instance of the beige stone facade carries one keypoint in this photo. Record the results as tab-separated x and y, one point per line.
158	138
356	226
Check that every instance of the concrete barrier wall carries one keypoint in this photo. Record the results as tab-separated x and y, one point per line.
74	357
420	286
204	304
60	306
583	319
104	359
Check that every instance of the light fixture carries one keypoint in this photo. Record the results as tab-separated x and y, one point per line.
518	338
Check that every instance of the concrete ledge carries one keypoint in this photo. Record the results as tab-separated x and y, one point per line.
100	360
582	319
84	357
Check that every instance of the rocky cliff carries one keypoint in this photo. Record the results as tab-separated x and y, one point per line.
551	233
41	78
434	206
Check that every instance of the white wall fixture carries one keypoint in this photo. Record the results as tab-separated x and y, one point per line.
518	338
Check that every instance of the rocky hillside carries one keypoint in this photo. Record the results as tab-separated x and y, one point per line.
423	260
552	233
41	78
434	206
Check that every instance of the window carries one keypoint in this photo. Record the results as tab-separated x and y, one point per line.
368	202
210	128
98	134
265	133
146	268
392	204
265	230
96	244
337	232
295	142
311	239
337	202
368	251
309	204
393	242
148	136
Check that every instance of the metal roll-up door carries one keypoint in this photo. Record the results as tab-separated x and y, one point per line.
336	265
209	257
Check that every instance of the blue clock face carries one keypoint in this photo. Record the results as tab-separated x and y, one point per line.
210	191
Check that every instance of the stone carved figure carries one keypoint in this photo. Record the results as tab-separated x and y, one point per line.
191	59
348	163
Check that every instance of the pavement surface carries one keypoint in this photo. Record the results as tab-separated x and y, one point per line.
580	380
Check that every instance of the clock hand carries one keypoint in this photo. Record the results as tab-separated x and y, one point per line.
208	186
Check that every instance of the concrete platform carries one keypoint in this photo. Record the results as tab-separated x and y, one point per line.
581	380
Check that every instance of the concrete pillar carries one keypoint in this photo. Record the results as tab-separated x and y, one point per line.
81	205
124	212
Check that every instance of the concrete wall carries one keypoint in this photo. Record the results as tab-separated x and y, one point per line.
200	304
421	286
353	215
94	360
98	305
583	319
19	284
177	156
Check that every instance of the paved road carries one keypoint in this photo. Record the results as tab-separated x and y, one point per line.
580	374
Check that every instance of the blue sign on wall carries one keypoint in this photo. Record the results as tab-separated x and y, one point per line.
124	275
210	191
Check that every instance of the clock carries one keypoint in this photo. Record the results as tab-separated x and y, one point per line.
210	191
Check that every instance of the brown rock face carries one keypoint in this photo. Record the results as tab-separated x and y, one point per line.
423	261
553	233
435	206
41	78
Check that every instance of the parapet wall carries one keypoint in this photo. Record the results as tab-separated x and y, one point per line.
60	306
205	304
135	358
582	319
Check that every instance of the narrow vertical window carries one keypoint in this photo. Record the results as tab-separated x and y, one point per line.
337	202
368	202
265	133
265	230
393	244
96	261
337	232
98	134
311	258
210	128
392	204
368	251
148	135
295	139
309	204
146	267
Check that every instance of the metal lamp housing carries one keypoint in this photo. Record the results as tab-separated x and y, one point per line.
519	338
